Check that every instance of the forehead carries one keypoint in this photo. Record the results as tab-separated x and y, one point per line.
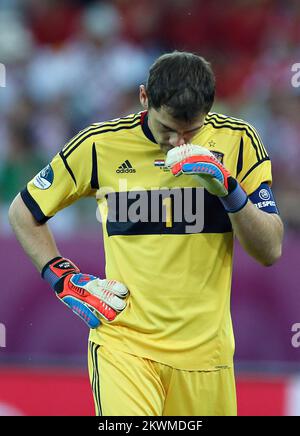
164	117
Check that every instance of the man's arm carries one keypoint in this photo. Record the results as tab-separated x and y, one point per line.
259	233
86	295
36	239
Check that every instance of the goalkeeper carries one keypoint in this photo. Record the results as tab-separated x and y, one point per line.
161	339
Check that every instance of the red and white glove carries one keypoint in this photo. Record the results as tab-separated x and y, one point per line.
86	295
190	159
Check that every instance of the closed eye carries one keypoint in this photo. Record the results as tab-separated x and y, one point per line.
169	129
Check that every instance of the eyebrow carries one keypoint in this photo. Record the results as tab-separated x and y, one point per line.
187	131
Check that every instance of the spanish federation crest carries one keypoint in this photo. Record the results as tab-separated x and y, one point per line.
218	155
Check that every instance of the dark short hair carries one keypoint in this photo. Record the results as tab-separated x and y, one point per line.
183	83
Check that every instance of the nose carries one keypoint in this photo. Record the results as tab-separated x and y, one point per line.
176	140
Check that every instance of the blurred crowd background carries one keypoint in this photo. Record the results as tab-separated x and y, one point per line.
70	63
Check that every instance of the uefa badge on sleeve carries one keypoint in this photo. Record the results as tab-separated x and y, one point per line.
44	179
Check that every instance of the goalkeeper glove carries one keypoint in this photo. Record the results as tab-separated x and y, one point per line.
214	177
86	295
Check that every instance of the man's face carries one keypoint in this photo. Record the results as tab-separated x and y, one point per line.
167	130
170	132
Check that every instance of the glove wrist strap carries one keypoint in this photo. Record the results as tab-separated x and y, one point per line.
58	268
236	200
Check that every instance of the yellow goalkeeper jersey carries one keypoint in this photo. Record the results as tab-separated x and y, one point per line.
167	239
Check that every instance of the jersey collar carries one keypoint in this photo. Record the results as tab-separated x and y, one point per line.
145	127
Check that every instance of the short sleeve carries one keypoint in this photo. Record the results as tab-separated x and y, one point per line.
71	175
254	165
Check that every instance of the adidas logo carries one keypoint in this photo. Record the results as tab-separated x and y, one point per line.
126	167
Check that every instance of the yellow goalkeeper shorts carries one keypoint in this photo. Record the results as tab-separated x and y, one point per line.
128	385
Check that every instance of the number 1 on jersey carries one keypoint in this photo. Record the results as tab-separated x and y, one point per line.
167	203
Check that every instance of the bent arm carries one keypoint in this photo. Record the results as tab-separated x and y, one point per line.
260	233
36	239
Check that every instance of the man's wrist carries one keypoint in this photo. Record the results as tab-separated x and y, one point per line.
236	199
48	264
56	269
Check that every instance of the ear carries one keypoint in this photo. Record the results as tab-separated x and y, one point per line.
143	97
